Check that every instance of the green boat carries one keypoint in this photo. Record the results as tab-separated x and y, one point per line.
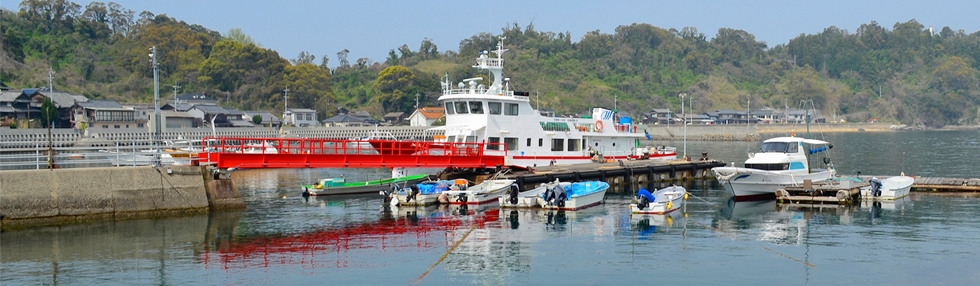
339	186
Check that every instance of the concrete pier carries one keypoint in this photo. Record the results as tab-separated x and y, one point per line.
58	196
620	173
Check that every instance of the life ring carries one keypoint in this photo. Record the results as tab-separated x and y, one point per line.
598	125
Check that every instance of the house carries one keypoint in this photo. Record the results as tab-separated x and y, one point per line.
426	116
268	120
26	105
657	116
766	115
104	114
345	120
182	107
394	118
210	115
546	112
727	116
237	118
799	116
195	98
300	117
177	119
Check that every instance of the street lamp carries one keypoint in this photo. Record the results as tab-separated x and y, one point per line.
684	120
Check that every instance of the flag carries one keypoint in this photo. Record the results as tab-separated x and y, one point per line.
647	134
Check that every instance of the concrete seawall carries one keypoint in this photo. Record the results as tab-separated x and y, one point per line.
41	197
733	132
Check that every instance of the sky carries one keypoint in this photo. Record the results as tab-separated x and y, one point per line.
369	28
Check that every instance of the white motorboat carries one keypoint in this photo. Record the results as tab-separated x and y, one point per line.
574	196
780	162
528	199
662	201
499	121
485	192
890	188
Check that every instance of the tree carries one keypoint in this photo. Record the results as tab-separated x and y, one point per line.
955	73
257	119
236	34
390	85
309	87
304	58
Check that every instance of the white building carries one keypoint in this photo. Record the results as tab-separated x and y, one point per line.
300	117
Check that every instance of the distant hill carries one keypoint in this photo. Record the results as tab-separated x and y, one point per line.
908	74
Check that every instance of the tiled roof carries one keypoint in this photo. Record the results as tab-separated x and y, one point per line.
432	112
208	108
100	104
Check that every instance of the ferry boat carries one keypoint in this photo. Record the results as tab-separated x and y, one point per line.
502	121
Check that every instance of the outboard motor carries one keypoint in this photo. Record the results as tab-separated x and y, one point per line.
513	194
412	194
875	187
549	195
560	196
644	198
387	194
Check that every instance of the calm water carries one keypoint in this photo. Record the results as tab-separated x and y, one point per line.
284	239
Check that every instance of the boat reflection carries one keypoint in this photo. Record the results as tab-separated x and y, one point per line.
646	225
415	229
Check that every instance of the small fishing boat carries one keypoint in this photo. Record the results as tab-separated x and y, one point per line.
422	194
528	199
340	186
574	196
888	189
662	201
482	193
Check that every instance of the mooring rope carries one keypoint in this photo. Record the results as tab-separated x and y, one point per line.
790	257
444	255
699	198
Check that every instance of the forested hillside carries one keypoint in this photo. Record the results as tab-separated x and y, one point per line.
906	73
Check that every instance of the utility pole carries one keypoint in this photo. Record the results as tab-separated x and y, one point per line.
156	103
176	87
416	101
50	79
285	105
615	101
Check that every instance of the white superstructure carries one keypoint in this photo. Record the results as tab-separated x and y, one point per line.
505	120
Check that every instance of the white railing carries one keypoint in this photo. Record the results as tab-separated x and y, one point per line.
122	154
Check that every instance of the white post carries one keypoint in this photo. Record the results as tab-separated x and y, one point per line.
684	120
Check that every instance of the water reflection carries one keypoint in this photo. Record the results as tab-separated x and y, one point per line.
83	253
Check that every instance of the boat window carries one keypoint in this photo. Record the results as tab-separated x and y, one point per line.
511	143
461	107
449	108
528	142
470	139
769	167
540	142
773	147
557	144
494	107
476	107
793	148
573	144
493	143
511	109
